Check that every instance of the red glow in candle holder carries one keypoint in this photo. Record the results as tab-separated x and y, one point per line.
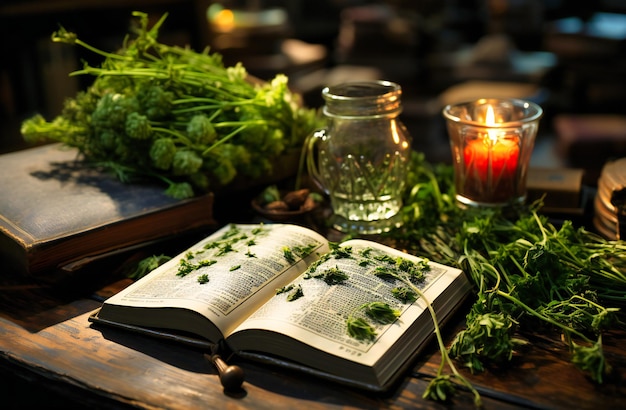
492	141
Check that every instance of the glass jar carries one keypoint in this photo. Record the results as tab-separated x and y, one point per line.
361	157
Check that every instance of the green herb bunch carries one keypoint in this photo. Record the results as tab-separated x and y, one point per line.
529	275
174	114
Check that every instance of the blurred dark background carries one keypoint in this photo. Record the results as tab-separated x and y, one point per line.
567	56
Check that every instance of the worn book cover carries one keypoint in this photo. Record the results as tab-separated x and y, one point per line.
55	210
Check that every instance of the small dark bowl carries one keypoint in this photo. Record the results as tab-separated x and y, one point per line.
283	215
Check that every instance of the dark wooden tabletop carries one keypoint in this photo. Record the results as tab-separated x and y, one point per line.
48	344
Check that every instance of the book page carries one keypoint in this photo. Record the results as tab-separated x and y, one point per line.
318	317
227	275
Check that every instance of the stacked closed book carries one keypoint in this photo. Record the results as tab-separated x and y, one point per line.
56	211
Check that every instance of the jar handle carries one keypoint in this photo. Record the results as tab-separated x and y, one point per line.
311	162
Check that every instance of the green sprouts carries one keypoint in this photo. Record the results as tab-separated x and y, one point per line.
175	115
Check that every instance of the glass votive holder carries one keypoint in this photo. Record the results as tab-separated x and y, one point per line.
492	141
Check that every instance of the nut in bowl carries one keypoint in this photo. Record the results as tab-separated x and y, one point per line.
277	205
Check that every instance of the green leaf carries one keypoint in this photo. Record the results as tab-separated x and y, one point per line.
381	312
360	329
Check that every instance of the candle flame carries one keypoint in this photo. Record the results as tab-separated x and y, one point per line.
490	120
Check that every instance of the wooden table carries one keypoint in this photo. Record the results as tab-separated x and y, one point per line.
47	345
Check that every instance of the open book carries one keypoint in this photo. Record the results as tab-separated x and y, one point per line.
283	294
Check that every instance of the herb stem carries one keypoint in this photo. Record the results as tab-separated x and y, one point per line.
445	358
528	309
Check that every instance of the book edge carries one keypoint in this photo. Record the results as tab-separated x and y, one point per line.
32	254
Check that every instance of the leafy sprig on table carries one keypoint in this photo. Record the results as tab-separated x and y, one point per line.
147	265
528	274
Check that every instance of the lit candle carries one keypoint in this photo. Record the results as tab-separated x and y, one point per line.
491	141
491	162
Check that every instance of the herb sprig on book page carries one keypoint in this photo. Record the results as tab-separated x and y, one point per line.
193	261
408	275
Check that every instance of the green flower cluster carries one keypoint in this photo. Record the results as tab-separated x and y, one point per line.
175	114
